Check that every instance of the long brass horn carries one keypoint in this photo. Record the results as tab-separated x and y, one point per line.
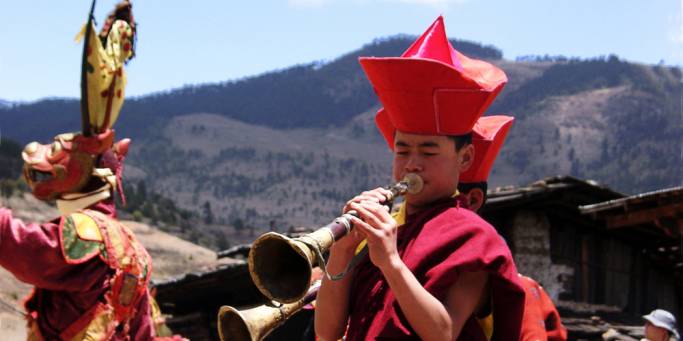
281	266
256	323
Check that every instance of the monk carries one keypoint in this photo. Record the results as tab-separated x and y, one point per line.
435	270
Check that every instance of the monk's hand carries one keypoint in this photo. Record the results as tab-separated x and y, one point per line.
347	245
380	230
377	195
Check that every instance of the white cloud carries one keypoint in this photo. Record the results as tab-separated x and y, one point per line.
320	3
677	21
439	4
676	35
680	25
432	2
308	3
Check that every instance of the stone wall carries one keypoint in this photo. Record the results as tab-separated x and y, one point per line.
530	238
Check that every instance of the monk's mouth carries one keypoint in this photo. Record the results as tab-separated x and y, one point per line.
39	176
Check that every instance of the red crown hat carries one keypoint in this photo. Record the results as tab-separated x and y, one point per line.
432	88
488	136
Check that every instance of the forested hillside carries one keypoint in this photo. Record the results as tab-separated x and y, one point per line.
288	147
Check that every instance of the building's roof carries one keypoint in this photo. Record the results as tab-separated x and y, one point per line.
585	191
229	284
238	252
662	208
658	214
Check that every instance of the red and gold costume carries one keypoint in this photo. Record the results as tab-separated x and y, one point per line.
433	89
541	319
90	273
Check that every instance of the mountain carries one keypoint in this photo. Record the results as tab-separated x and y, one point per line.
604	119
262	175
289	147
310	95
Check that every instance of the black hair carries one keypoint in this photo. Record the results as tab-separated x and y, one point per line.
466	187
461	140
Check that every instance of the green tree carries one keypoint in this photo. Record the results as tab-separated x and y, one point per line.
207	213
238	224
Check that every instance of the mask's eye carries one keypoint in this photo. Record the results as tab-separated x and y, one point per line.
56	148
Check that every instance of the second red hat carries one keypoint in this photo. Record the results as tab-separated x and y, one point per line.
488	136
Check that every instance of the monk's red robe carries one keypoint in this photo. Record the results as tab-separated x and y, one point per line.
64	291
437	244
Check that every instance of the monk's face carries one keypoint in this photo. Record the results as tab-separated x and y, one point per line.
435	159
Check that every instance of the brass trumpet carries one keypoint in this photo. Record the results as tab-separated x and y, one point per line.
281	266
256	323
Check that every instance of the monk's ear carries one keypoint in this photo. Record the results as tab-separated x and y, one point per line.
466	155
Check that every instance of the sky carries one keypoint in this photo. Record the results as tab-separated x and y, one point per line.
192	42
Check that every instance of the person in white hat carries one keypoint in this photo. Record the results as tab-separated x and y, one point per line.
660	325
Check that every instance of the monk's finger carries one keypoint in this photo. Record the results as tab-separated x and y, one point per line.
366	215
377	194
371	234
360	198
378	210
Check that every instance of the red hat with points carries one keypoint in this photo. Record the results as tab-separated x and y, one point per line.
488	136
432	88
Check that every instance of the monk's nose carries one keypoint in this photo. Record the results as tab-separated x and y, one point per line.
413	166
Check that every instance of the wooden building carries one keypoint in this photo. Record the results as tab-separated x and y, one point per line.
596	252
